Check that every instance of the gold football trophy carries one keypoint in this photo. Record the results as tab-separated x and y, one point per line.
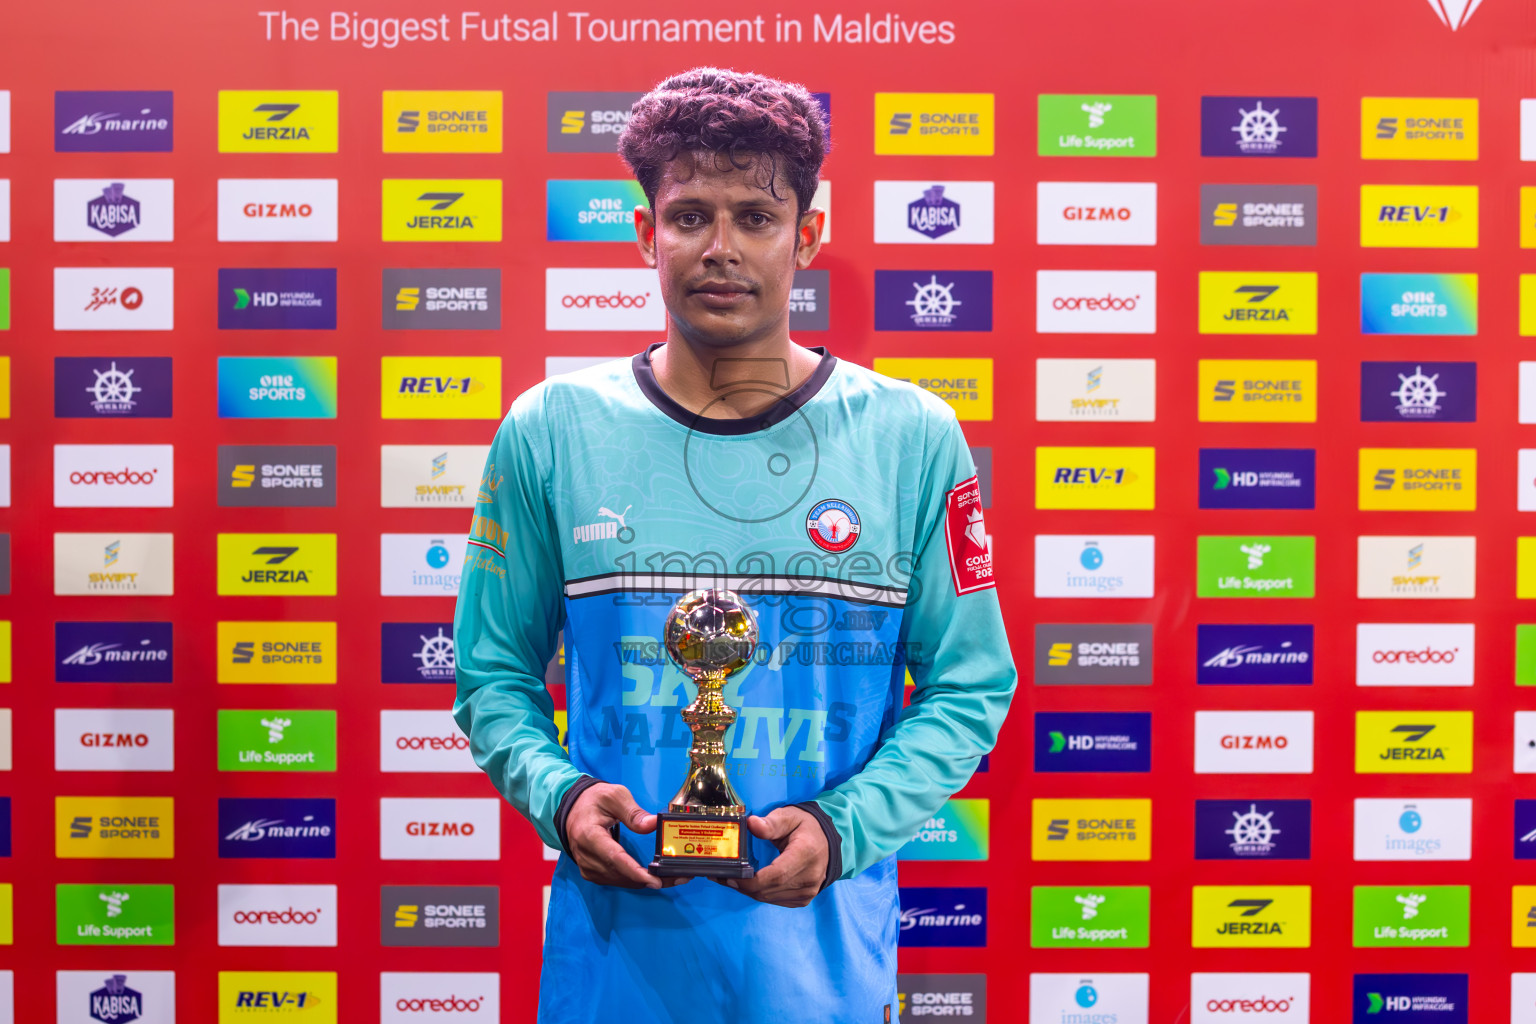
710	634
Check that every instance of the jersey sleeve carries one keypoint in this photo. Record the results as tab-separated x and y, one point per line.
506	626
957	652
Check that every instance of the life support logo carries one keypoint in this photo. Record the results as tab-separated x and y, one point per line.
833	525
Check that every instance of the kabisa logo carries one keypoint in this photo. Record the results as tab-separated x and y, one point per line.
287	476
934	123
1389	998
1422	829
1095	301
417	652
112	122
123	386
588	210
933	300
1251	478
1265	303
116	915
1107	741
421	564
442	210
1418	304
1104	917
113	212
933	215
1258	214
1413	741
277	563
1248	917
268	828
1095	478
940	995
439	915
587	122
277	387
1418	216
277	299
1258	126
98	210
284	121
1258	391
115	1002
112	652
1100	654
1071	125
1253	829
1256	567
943	917
1418	479
1254	655
1084	830
307	996
965	385
1418	392
442	299
277	741
960	830
1417	128
277	652
442	122
1101	566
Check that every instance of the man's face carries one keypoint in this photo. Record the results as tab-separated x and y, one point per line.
726	250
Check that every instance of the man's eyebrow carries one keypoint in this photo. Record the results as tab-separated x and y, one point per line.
693	200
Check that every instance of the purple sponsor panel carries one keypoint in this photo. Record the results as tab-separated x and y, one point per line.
1416	392
1250	478
112	122
107	387
1258	126
933	300
278	298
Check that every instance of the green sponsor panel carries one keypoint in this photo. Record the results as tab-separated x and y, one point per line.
1525	655
1090	917
116	915
1256	567
277	741
5	299
960	831
1097	125
1407	916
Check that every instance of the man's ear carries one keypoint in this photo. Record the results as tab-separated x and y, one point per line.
645	234
812	224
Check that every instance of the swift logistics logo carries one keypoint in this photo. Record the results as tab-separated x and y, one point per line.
942	917
1418	216
457	916
1101	917
269	475
1253	829
931	212
1095	478
113	122
441	210
443	299
1418	392
1416	128
1096	213
112	652
1390	998
109	387
105	564
416	652
934	124
1096	390
1444	304
440	388
1242	566
1251	917
1097	125
587	122
277	387
965	385
933	300
1414	654
1090	829
442	121
1262	126
1250	655
961	830
290	564
1258	391
1413	742
277	652
592	210
281	121
1093	741
278	209
115	915
1416	567
1253	478
1418	479
305	997
1412	917
1104	655
277	741
1258	214
1257	303
277	299
1419	829
1253	742
110	827
260	828
430	475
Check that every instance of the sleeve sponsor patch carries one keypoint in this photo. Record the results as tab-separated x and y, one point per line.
970	549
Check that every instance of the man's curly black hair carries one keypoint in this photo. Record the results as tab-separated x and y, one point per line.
745	120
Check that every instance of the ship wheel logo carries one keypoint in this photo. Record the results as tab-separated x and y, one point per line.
114	387
1418	397
1259	130
436	656
1252	832
933	304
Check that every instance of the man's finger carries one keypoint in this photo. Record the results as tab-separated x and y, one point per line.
614	864
772	828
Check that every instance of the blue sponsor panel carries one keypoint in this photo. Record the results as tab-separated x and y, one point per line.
1262	126
416	652
113	122
1249	478
1411	998
1093	741
1525	829
1253	830
1253	655
5	826
277	299
291	829
1418	392
1418	304
943	916
113	652
933	300
588	210
112	387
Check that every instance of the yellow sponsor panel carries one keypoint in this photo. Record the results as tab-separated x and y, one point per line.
7	914
1115	478
1257	303
1258	391
304	997
5	651
935	123
441	388
1418	479
5	387
1091	829
1251	917
1417	128
118	827
277	652
1522	933
1527	305
1525	567
442	122
442	210
1418	216
292	564
1413	742
278	121
1527	233
965	384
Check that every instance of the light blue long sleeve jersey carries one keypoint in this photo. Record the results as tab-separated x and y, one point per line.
848	518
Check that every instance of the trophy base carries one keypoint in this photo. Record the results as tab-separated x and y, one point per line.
702	845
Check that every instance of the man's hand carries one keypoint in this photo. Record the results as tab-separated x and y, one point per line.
593	848
796	874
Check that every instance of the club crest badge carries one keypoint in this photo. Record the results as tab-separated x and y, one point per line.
833	525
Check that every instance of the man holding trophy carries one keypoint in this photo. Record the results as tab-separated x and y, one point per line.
747	545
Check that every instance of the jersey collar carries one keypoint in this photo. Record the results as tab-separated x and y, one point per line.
777	412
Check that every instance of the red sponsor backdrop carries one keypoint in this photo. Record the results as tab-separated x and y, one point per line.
1179	52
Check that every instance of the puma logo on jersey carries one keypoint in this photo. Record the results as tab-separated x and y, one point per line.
615	528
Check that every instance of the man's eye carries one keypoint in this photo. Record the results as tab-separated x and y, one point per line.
758	220
690	220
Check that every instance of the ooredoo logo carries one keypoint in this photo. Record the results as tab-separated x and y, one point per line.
1249	998
587	299
618	300
1414	654
461	997
442	829
1096	301
277	915
422	741
113	475
450	1004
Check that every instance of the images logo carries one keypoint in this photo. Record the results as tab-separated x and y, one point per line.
308	997
592	210
417	652
102	564
1107	998
442	122
1252	917
278	210
115	915
943	917
1095	478
441	387
1258	391
1394	128
127	386
1418	392
442	210
1250	478
587	122
1253	742
1104	917
1418	216
279	299
1256	567
456	299
933	300
277	387
1107	741
1254	655
1388	998
602	299
1083	830
1097	125
284	121
964	384
106	827
1258	126
1418	479
94	210
1263	303
1417	567
1417	742
959	831
1413	829
934	123
112	122
112	652
1096	213
1095	301
277	652
1258	214
439	915
1418	303
277	563
1093	566
1253	829
265	828
1122	390
1088	655
277	741
1416	916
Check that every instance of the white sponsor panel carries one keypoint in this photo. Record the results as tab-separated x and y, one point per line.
461	997
1096	301
277	915
277	209
1527	132
933	212
114	298
1417	567
430	475
1096	390
5	209
113	476
1253	742
5	740
113	564
1522	987
5	147
1525	742
1414	653
822	200
1528	392
1096	213
114	740
1093	565
602	299
1111	998
423	741
445	829
1525	494
5	476
1250	998
7	978
114	210
151	993
1408	829
421	564
554	365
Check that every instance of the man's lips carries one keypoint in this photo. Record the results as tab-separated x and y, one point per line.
722	294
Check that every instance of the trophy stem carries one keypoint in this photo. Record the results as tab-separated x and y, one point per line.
707	789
